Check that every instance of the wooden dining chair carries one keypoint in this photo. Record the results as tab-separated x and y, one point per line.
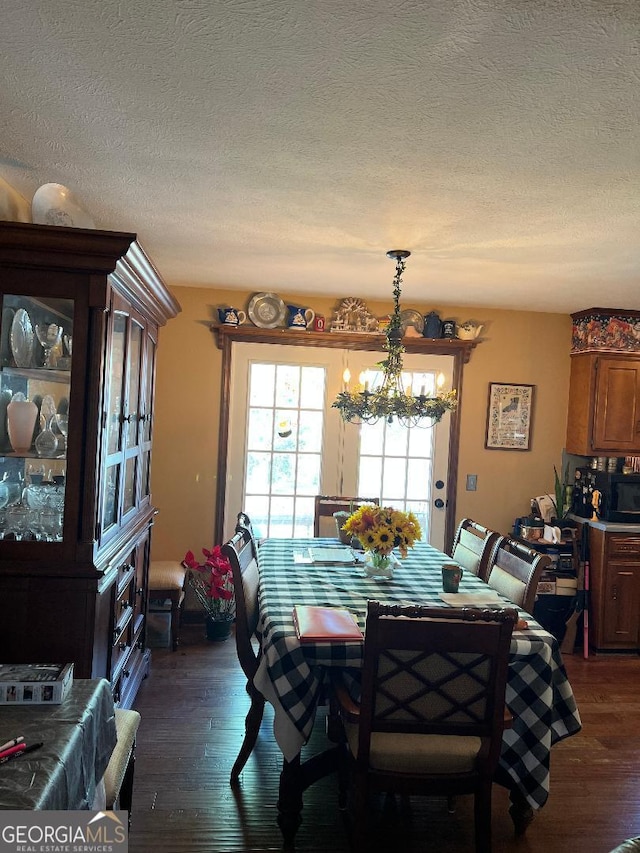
514	571
472	547
243	523
325	505
432	708
241	553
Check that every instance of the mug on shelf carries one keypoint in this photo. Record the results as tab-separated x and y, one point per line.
451	577
231	316
300	318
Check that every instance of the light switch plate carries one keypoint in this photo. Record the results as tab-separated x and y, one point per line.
472	482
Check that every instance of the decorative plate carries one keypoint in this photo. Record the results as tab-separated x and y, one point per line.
21	338
409	317
5	340
55	204
267	311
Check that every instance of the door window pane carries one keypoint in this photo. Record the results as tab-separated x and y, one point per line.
285	424
259	429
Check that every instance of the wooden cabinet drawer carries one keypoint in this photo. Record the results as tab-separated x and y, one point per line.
619	547
122	625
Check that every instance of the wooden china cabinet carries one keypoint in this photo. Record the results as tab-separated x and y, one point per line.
81	311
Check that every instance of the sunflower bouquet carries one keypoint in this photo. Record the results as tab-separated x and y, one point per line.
380	529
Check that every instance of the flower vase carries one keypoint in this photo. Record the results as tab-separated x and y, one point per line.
377	565
218	629
21	420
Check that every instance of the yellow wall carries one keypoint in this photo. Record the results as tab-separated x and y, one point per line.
517	346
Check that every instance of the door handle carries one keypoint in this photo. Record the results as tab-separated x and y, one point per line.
438	503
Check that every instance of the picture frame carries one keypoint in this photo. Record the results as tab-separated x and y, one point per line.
509	416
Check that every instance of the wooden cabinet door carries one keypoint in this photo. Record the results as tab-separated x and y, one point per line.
616	418
621	615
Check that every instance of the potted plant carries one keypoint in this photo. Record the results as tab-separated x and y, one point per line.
212	583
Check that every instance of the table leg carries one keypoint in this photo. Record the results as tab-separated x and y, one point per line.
520	811
290	801
295	777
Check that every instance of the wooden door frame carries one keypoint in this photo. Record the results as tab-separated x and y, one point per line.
227	335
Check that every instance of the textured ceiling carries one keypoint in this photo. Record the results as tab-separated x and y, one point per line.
285	145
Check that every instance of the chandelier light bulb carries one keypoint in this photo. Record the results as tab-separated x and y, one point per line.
440	380
346	377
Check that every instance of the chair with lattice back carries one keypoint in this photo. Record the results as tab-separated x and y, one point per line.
432	708
241	553
472	546
325	505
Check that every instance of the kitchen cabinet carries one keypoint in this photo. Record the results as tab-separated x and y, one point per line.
615	589
81	311
604	404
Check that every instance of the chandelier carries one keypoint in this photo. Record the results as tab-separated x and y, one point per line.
390	400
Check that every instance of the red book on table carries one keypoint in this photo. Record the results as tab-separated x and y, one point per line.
316	624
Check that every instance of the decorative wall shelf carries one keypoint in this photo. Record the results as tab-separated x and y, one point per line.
340	340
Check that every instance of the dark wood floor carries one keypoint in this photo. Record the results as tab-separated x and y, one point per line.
193	707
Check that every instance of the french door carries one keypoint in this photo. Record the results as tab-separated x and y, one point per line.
286	444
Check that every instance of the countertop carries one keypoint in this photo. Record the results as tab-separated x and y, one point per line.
608	526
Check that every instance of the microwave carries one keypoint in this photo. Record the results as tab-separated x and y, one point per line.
620	496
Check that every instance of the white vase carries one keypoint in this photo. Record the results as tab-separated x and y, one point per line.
21	419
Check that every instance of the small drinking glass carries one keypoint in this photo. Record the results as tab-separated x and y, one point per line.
18	521
50	523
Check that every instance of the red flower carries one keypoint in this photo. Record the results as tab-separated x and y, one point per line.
212	582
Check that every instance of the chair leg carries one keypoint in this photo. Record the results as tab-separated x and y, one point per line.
361	816
252	729
125	795
175	620
343	776
482	815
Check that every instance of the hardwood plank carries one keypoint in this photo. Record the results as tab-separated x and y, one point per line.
193	707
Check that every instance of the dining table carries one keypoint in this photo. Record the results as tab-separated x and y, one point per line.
293	676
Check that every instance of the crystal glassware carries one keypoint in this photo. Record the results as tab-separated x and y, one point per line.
49	336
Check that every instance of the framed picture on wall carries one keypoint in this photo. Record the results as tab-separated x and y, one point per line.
509	416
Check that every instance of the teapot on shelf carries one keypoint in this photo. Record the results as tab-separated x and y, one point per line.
469	331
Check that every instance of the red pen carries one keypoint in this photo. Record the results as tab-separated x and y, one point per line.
14	750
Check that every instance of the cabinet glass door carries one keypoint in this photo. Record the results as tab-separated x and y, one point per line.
132	415
36	342
125	404
115	415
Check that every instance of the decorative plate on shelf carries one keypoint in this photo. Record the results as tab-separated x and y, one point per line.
55	204
5	336
409	317
267	311
21	338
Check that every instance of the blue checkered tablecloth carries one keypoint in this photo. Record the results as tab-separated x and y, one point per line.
538	695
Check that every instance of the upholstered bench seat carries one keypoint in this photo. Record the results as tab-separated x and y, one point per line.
166	580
